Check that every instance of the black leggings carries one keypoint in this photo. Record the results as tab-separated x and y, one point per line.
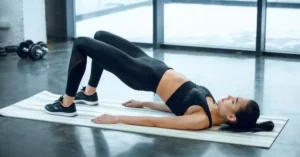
116	55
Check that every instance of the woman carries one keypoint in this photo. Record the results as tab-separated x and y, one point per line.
194	106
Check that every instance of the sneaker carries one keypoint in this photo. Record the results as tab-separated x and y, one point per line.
82	98
58	109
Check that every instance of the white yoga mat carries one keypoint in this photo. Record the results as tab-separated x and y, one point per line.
33	108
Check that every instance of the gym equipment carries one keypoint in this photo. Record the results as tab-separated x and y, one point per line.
11	48
29	41
2	52
43	46
23	48
34	51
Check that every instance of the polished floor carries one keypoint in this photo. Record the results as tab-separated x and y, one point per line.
273	82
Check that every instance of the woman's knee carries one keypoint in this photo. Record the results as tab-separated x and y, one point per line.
81	41
101	35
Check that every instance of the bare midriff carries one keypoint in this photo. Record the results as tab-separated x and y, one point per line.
169	83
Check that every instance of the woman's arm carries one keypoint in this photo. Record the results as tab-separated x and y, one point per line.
196	121
160	106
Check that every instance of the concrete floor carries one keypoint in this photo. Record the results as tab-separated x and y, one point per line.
273	82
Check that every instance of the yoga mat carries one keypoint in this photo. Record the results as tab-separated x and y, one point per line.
33	108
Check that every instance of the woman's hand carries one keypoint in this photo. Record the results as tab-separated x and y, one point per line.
133	103
106	119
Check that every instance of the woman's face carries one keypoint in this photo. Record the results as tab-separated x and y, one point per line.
230	105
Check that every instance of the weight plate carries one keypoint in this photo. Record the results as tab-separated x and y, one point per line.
2	50
11	48
20	51
42	44
34	52
30	42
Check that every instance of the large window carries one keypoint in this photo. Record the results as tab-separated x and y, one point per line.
131	19
210	25
283	28
228	24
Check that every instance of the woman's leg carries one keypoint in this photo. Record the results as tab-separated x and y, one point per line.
88	94
131	71
117	42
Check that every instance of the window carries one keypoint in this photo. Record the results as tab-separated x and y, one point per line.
212	24
283	28
130	19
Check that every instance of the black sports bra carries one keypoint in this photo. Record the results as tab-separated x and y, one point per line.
187	95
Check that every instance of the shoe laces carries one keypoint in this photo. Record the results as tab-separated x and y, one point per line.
60	99
81	91
83	88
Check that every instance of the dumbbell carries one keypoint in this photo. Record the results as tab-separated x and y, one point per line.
34	51
38	51
43	46
23	48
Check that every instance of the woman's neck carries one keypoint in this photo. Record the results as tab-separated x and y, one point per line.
216	117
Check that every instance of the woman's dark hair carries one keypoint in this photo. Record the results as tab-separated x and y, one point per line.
246	120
